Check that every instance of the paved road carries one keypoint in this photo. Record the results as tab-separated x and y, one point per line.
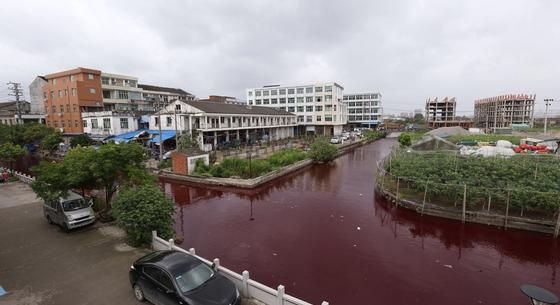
39	264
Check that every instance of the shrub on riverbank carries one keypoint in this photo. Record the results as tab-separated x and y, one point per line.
372	135
244	168
321	150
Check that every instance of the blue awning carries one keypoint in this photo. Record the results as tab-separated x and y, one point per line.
128	136
166	135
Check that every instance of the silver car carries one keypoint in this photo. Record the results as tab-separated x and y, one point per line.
70	212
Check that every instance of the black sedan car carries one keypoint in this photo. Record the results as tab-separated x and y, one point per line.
173	277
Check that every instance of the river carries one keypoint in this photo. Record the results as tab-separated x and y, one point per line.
323	234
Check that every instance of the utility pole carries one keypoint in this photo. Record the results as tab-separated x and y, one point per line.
547	103
159	106
16	92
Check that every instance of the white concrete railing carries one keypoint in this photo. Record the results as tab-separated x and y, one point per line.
21	176
247	287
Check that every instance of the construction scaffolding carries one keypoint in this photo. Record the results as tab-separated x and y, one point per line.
503	111
441	113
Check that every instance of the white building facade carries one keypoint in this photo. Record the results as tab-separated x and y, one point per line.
319	108
364	109
217	123
106	123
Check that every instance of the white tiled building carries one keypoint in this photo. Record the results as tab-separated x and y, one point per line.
105	123
318	107
217	123
364	109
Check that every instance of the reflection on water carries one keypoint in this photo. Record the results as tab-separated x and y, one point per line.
323	234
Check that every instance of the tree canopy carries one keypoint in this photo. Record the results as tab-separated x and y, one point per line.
82	140
321	150
86	168
11	152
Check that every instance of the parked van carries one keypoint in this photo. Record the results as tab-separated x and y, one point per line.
70	212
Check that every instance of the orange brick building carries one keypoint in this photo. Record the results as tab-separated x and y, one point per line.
69	93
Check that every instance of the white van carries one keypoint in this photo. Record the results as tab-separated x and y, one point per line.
70	212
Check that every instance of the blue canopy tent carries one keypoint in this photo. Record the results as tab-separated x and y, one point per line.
166	135
128	136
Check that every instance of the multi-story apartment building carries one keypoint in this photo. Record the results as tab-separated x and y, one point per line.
441	113
121	93
364	109
319	107
215	122
68	94
106	123
164	94
504	111
36	95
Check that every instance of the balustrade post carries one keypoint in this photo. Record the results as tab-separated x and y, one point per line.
171	243
245	288
281	291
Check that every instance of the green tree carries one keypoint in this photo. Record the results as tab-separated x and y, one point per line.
321	150
188	141
50	180
78	165
51	141
11	152
140	210
82	140
114	164
405	139
34	132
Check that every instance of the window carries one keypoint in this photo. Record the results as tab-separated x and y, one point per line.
291	91
328	118
273	92
92	90
84	123
178	107
328	98
67	108
274	101
104	81
62	108
318	108
65	92
73	91
328	107
76	123
258	102
156	121
299	90
308	108
90	76
54	81
251	102
62	123
160	277
291	100
291	109
72	78
318	89
122	94
59	93
299	108
309	90
94	123
53	109
300	118
282	100
308	99
168	121
44	95
124	123
319	99
52	94
106	94
300	99
319	118
106	123
266	101
359	104
282	91
55	123
328	89
352	104
308	119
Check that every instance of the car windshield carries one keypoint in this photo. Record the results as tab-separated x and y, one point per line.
194	277
74	205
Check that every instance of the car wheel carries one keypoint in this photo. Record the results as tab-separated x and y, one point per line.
49	220
138	293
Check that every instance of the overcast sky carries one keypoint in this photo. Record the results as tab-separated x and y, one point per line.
408	50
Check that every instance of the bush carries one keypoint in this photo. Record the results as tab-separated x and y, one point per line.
372	135
82	140
164	164
321	150
200	167
140	210
405	139
286	157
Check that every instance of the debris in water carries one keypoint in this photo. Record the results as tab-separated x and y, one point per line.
274	254
448	266
358	228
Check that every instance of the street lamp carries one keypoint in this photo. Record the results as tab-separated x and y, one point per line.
547	103
538	295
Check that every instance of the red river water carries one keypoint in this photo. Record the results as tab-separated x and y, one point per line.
322	233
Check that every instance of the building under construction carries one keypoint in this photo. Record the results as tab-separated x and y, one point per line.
504	111
441	113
